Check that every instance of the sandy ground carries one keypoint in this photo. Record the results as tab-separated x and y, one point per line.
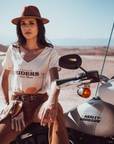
68	96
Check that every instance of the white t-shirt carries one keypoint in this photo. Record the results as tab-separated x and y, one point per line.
33	76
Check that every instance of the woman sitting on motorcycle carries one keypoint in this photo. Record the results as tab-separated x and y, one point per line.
32	60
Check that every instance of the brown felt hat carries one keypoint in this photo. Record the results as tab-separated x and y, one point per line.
30	12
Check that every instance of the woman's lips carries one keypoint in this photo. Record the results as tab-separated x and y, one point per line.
28	33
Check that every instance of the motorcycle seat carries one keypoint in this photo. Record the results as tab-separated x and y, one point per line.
33	127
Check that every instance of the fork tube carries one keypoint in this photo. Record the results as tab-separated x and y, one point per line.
105	56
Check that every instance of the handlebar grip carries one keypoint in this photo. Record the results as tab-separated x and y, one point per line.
61	81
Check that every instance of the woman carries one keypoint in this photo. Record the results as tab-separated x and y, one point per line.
33	60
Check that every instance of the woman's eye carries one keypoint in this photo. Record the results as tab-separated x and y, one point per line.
31	23
22	23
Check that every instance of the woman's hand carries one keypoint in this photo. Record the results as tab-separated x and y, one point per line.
49	112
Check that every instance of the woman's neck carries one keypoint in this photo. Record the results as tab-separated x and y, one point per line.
31	44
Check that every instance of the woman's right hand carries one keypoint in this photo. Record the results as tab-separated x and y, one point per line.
49	112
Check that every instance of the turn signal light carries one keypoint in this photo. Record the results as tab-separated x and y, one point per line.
86	92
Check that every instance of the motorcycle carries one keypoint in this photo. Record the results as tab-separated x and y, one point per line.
89	123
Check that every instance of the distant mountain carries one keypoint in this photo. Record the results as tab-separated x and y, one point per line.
81	50
81	42
9	39
85	50
3	48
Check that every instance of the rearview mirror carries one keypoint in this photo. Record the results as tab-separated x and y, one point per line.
72	61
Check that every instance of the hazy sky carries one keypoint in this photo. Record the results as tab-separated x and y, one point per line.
68	18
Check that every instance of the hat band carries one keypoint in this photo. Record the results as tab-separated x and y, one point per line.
30	16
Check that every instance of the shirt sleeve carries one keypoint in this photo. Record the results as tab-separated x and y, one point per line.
53	59
7	62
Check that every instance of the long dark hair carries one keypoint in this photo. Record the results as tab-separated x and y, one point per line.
41	39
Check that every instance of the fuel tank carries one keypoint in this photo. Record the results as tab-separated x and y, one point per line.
106	92
94	117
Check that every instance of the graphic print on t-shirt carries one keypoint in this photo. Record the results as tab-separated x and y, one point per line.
27	73
32	81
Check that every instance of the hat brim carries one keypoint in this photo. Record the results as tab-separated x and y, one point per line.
16	20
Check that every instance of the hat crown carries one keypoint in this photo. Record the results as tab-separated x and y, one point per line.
30	11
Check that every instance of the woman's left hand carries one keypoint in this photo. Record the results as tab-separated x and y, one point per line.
49	112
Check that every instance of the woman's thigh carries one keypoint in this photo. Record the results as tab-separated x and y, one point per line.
38	112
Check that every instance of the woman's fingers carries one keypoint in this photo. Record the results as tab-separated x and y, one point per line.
44	118
54	116
48	117
49	113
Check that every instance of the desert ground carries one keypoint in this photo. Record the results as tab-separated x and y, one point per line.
68	97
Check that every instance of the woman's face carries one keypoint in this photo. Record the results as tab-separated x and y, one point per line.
29	28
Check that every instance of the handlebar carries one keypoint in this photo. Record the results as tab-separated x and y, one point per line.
89	77
62	81
103	78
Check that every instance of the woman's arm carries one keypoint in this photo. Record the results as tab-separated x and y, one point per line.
50	111
4	84
54	91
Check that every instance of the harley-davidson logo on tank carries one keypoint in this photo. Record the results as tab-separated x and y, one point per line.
90	118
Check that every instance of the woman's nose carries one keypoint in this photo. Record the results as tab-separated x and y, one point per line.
27	26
